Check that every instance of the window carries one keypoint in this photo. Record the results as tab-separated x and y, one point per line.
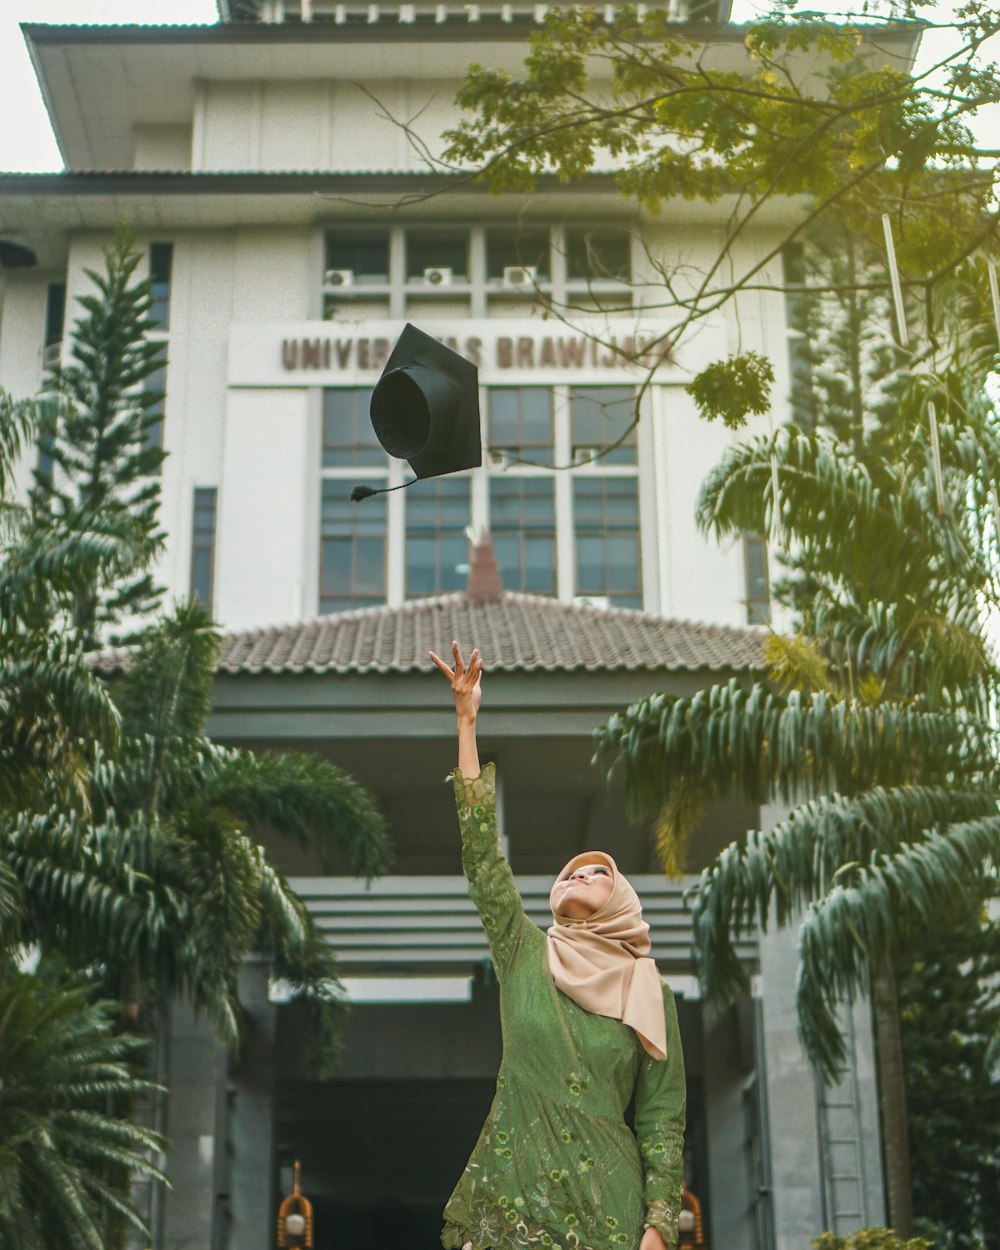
203	544
438	513
600	254
155	398
521	424
507	249
606	530
348	438
352	549
523	529
756	580
161	261
362	254
437	249
55	317
599	416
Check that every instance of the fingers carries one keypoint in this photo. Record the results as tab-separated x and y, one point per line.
474	669
441	665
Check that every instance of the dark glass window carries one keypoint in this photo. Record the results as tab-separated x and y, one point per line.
363	254
348	437
203	544
523	529
155	397
606	532
521	423
437	546
161	263
598	254
55	313
352	549
437	249
757	580
599	416
513	248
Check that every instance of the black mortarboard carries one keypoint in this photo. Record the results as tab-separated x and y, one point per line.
425	406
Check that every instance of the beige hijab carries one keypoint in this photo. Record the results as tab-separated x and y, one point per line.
603	962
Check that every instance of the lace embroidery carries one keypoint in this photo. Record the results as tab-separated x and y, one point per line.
663	1216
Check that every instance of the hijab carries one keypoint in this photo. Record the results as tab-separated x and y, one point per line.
603	962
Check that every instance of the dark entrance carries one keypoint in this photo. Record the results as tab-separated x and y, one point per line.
381	1156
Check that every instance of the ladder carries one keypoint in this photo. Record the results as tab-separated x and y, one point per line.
842	1162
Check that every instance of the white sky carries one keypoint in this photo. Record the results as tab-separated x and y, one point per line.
28	143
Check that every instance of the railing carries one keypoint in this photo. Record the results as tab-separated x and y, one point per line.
279	11
405	923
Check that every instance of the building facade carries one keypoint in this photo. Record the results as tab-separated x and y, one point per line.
275	173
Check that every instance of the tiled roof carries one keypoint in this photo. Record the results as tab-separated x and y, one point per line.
516	632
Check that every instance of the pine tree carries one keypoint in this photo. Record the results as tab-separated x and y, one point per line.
950	1011
103	450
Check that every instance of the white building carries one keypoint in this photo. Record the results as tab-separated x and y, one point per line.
292	228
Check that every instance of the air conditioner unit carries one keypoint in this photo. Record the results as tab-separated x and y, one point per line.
519	276
339	277
438	277
51	355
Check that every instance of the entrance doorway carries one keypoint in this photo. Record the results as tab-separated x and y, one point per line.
380	1157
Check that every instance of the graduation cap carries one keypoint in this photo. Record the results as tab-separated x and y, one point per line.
425	409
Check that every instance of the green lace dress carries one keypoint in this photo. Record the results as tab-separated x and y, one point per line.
555	1164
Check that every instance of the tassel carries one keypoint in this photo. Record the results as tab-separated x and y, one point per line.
775	503
936	453
363	492
994	294
897	290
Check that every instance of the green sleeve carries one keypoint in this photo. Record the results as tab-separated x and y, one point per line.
491	882
660	1095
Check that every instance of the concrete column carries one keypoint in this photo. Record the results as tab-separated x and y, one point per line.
196	1073
806	1191
791	1099
726	1073
252	1203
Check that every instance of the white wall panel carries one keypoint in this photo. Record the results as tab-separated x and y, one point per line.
201	302
273	275
162	147
262	521
230	132
362	137
704	580
22	335
292	134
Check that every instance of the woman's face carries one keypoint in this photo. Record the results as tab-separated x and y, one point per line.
581	892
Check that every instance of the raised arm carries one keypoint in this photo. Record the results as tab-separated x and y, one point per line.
491	883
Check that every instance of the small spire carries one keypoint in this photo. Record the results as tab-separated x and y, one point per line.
484	585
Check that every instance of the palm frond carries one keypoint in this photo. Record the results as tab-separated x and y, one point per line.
770	876
843	935
62	1064
759	745
301	795
18	423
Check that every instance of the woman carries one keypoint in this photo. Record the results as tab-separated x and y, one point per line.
586	1024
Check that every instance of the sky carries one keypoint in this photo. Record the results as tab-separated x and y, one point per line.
29	144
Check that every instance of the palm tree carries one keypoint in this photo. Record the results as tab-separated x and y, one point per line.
161	885
874	722
62	1063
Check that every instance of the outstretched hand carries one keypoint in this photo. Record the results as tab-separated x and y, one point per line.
465	681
